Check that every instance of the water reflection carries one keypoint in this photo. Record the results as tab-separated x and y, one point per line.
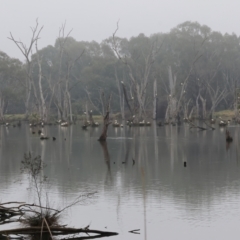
155	194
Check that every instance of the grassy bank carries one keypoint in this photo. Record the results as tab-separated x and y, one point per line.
225	114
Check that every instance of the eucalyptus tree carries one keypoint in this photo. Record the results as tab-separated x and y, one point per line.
11	79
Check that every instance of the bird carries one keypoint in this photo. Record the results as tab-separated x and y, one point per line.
43	137
84	127
185	164
53	138
212	121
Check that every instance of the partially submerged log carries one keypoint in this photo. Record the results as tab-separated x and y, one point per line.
192	125
56	231
7	213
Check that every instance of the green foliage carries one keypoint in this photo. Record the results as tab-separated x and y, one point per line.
95	69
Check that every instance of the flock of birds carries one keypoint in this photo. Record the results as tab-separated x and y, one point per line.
37	127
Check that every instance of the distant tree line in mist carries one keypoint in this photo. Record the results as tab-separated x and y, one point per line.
190	71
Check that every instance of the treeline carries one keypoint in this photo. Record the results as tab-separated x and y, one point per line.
190	71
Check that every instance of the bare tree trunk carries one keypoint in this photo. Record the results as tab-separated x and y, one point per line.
204	111
172	101
155	100
70	106
26	53
61	103
43	109
126	98
1	108
121	98
139	83
191	113
197	105
106	122
186	107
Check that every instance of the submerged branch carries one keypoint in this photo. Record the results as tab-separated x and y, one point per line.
55	231
192	125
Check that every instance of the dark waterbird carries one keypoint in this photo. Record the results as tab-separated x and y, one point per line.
84	127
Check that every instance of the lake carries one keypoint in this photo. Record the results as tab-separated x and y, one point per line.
157	194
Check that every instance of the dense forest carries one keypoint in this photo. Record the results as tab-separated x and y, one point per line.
192	71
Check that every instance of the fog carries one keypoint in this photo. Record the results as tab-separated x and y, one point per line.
96	19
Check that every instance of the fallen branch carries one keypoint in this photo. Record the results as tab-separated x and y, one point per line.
209	125
192	125
135	231
54	231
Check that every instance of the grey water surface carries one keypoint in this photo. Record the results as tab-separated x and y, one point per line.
157	194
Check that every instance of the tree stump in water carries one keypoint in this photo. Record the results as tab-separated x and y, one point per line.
106	123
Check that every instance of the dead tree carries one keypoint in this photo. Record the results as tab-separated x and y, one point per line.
121	95
176	97
106	120
67	110
215	93
27	51
204	108
155	99
42	107
104	109
139	84
233	90
59	102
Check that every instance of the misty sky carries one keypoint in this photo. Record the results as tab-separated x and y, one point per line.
96	19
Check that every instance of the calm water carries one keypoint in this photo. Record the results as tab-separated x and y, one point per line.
157	195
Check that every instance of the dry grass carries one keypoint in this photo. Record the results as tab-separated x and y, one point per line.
225	114
36	220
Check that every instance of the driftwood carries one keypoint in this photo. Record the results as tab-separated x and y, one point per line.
55	231
192	125
209	125
135	231
9	214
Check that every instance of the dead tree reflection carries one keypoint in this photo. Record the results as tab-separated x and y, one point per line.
155	134
107	159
